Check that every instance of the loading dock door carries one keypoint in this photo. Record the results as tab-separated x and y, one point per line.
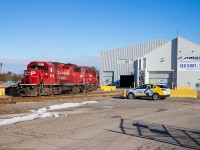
161	77
108	77
126	80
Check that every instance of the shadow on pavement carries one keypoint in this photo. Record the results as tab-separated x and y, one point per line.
119	97
163	133
141	98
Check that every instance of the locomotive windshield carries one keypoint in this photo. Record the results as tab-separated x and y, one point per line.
36	68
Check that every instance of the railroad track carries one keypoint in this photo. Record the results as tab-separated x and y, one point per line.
94	94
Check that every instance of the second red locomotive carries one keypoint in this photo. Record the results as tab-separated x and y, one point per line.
49	78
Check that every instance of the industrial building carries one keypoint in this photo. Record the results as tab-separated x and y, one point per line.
175	63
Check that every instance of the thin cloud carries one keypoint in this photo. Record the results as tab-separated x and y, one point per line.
12	61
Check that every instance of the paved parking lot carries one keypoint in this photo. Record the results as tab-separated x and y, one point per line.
113	124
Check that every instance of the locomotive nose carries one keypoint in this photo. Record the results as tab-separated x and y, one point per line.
29	72
31	77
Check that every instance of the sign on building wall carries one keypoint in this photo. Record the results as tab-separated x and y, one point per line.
190	58
189	66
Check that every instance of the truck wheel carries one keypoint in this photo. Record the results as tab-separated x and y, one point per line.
131	96
156	96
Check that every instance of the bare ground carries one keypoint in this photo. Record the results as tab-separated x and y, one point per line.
111	124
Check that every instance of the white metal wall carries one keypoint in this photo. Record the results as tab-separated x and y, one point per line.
189	77
122	61
160	56
169	57
162	62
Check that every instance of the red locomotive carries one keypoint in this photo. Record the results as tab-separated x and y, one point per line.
49	78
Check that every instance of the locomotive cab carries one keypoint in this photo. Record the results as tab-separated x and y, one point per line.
39	72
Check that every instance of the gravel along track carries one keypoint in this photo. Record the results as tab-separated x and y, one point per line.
94	94
111	123
11	105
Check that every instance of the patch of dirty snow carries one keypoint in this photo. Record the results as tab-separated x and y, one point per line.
42	113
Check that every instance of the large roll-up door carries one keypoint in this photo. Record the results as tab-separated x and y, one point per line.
108	77
161	77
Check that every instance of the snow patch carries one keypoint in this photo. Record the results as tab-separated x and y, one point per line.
43	113
109	107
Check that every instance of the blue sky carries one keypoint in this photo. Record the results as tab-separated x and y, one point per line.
75	31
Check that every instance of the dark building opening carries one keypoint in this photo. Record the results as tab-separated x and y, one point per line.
126	80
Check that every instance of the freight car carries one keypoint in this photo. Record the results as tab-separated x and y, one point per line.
49	78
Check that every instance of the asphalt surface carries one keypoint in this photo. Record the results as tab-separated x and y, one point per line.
111	124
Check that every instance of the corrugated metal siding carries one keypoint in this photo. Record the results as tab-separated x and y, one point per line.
108	59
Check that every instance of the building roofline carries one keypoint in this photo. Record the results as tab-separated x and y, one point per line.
134	45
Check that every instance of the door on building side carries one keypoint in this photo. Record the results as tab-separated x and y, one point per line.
108	77
161	78
126	80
